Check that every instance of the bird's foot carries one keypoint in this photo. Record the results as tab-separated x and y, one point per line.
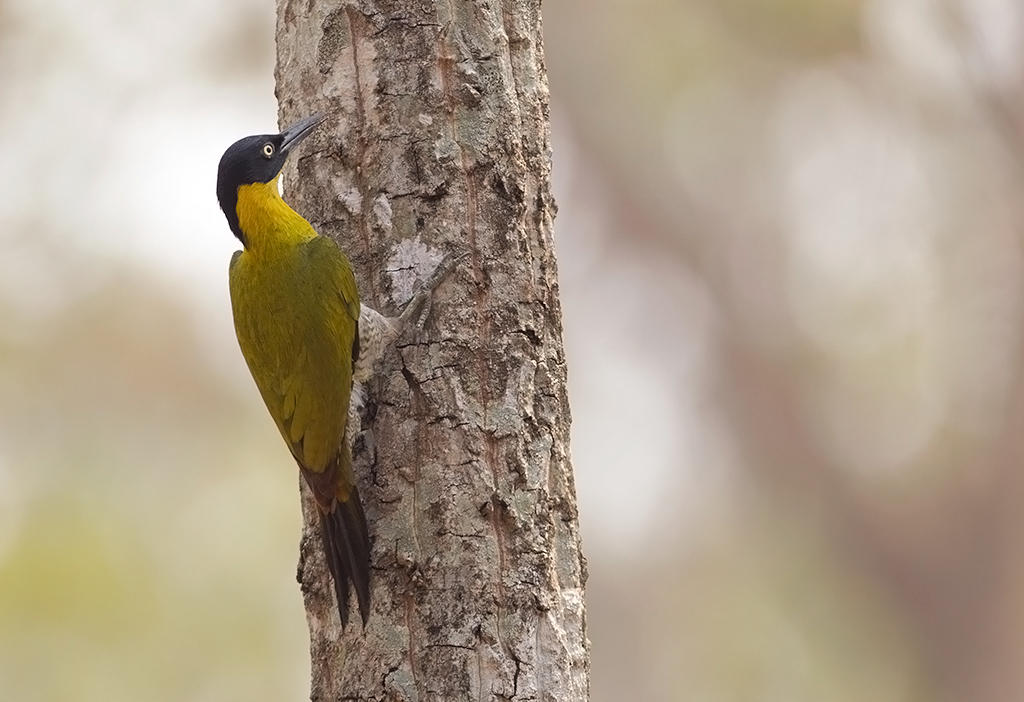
417	308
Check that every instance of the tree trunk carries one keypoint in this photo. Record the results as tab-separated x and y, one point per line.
438	141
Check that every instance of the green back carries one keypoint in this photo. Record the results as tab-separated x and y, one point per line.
295	310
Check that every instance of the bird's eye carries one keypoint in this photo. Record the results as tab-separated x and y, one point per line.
268	150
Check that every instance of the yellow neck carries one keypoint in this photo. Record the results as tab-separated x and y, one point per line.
267	221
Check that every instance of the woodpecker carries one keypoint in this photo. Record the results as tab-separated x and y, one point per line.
296	310
309	343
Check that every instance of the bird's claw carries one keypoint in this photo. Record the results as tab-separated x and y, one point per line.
416	309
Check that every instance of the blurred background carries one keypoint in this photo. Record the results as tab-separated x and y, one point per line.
790	252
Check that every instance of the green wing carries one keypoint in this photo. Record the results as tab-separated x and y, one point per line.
296	312
295	317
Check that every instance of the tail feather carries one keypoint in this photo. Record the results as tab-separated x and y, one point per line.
347	547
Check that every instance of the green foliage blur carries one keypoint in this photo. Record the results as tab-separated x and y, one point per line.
148	542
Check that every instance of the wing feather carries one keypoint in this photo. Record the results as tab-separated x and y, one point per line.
296	325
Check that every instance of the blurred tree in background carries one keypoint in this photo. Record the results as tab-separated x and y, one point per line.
791	270
808	239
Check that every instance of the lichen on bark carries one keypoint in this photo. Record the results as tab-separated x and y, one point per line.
438	141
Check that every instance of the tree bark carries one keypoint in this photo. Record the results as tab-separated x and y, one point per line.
438	141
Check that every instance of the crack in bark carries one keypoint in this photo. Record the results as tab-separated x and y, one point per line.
409	609
367	200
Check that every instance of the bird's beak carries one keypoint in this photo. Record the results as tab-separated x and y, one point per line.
300	130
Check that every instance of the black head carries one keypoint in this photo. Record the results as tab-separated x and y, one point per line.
256	159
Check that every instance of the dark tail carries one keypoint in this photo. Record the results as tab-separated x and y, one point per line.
347	547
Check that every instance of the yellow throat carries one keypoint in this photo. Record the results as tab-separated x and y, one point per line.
267	221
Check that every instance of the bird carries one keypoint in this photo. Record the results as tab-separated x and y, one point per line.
297	314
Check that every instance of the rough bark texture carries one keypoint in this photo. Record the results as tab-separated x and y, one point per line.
438	141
